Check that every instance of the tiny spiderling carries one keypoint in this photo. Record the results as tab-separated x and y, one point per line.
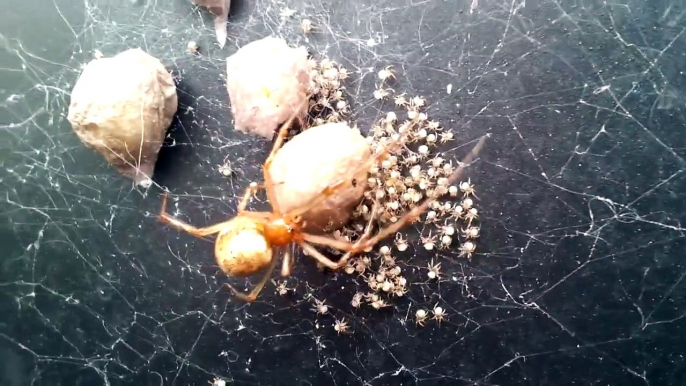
429	242
467	249
453	191
434	270
439	313
400	100
320	307
467	203
447	136
446	241
400	243
471	232
420	317
341	326
306	26
467	188
472	214
357	300
386	73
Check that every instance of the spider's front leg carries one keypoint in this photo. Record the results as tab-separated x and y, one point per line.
350	248
249	192
315	254
281	136
199	232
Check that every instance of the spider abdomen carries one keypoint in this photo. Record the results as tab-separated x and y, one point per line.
241	248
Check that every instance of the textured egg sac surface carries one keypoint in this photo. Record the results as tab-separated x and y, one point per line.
315	159
268	82
122	107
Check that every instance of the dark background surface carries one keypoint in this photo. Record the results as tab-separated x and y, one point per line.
579	273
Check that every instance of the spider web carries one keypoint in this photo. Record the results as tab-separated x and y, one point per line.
577	278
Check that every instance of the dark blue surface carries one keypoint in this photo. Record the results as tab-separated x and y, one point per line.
579	272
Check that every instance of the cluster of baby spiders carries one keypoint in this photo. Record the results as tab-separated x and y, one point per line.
398	183
321	308
422	315
327	102
384	279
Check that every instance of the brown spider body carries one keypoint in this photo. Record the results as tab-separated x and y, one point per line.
252	241
245	246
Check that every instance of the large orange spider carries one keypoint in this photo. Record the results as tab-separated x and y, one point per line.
252	241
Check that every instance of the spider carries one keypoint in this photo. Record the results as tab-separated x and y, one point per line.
251	242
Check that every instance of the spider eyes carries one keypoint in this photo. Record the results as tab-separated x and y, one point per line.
354	182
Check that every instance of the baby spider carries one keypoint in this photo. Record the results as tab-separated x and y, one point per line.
433	125
357	300
399	291
378	304
439	313
386	73
251	242
320	307
471	215
192	47
445	242
226	170
341	326
281	288
381	93
387	286
467	249
429	242
467	188
434	270
400	100
471	232
457	212
446	136
420	317
306	26
447	230
400	243
417	102
217	382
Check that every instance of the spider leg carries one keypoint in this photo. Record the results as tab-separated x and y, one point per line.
256	215
286	266
199	232
365	236
280	137
314	253
346	246
418	210
258	288
293	255
249	192
328	241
